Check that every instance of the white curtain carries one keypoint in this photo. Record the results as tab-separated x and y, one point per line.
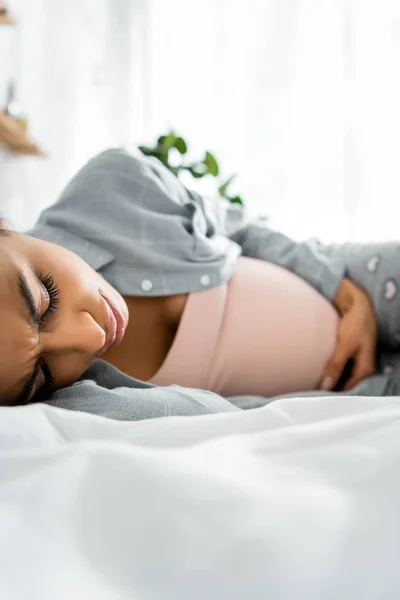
299	97
77	66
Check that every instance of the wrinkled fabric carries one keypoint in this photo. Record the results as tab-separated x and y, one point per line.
296	500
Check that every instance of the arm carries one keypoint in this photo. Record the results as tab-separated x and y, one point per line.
127	404
357	333
305	259
118	203
357	337
105	391
118	192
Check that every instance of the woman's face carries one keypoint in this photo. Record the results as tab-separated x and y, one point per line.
56	315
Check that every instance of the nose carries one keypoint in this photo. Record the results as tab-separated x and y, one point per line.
77	333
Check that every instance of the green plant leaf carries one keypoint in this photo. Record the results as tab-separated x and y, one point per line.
236	200
222	188
198	170
207	166
170	141
147	151
211	163
163	157
175	170
181	145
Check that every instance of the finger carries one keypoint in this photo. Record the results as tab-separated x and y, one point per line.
335	366
364	366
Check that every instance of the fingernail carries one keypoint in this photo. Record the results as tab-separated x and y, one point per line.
327	383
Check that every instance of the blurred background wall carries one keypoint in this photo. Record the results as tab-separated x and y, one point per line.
299	97
75	65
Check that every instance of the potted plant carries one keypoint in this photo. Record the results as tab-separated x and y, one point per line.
207	166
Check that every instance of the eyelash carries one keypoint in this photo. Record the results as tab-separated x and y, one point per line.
49	385
54	300
53	292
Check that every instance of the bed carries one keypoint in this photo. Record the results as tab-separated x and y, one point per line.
297	500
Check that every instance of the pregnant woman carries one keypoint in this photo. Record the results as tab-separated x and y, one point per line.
170	288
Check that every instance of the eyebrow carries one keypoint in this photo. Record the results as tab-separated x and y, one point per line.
34	319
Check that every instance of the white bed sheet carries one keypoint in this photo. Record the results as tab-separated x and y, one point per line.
297	500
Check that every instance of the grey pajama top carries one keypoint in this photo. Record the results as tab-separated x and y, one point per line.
146	234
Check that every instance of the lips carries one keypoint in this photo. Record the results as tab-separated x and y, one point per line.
115	324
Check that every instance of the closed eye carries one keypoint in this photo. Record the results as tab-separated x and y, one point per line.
36	322
53	293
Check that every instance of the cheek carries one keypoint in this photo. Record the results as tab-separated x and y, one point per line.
80	284
67	369
76	277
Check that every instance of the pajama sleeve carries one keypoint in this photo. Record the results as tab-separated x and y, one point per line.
105	391
307	259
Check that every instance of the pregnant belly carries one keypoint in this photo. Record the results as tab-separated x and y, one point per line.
277	333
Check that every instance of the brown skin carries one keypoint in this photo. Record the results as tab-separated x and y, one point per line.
357	337
153	323
74	335
70	338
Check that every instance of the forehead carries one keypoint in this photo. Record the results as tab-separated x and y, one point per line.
9	267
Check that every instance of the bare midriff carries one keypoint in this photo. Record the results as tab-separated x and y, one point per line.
264	332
